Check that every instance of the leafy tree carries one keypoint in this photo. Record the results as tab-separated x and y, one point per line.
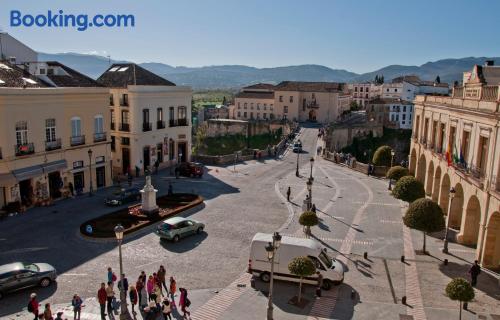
200	136
302	267
408	189
308	219
461	290
438	79
397	172
382	156
424	215
224	101
354	106
376	79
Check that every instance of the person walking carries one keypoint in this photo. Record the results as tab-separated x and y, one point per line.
110	275
143	298
77	306
33	305
71	189
139	284
320	284
161	274
101	297
110	295
150	285
166	309
288	193
474	271
184	303
133	298
47	313
123	284
313	208
173	287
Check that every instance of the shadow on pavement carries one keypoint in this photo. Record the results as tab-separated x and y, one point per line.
18	300
184	244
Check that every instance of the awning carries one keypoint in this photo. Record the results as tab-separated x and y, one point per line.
7	179
28	172
54	166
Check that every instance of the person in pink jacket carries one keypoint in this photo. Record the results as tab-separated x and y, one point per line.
150	285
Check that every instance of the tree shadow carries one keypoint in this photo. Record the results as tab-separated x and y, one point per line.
338	220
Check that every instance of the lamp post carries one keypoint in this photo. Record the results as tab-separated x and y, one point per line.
445	244
392	160
309	185
271	250
124	314
297	169
311	174
91	189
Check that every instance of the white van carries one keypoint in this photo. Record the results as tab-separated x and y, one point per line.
290	248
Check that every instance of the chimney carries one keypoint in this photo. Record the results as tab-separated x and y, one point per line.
489	63
12	60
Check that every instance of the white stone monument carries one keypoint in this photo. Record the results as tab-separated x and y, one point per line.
148	194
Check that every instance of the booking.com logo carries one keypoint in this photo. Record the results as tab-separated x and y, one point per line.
62	20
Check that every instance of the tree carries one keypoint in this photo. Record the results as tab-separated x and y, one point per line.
308	219
354	106
200	136
397	172
224	101
461	290
424	215
382	156
381	79
302	267
408	189
438	79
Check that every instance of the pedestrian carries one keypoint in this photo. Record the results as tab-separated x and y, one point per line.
313	208
77	306
150	285
320	284
166	309
138	287
47	313
184	303
110	275
150	311
101	297
288	193
162	273
143	297
110	295
170	189
133	298
157	294
123	284
33	305
137	171
59	316
474	271
173	287
71	189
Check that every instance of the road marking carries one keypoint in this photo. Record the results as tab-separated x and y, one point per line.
391	221
378	204
299	234
324	305
74	274
461	250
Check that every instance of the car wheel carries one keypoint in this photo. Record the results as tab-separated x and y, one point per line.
176	238
45	282
199	230
327	285
337	283
265	277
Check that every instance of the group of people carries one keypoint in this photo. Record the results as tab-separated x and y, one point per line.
46	314
150	295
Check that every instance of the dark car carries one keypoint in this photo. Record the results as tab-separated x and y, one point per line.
123	196
18	275
189	169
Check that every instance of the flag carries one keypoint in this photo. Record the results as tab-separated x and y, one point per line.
448	155
456	158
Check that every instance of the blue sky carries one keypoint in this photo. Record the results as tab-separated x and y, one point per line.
357	35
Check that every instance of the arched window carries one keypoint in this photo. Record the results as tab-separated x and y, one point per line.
98	124
76	127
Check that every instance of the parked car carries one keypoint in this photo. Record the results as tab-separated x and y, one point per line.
190	169
123	196
18	275
297	147
178	227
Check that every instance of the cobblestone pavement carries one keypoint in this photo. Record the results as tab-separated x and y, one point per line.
357	215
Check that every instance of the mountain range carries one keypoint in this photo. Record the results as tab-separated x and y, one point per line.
236	76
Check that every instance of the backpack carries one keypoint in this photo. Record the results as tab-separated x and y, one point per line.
188	302
113	277
30	307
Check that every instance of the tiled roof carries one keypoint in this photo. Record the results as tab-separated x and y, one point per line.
265	86
388	101
309	86
255	95
14	77
121	75
489	74
415	80
71	78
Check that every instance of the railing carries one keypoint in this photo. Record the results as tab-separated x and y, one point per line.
53	145
99	136
24	149
146	126
458	92
112	126
178	123
160	124
490	93
124	127
77	141
477	172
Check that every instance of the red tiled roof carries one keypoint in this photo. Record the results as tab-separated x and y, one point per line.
309	86
266	86
255	95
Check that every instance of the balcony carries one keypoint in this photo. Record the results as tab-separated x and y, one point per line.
24	149
146	126
53	145
77	141
112	126
99	136
160	124
178	123
124	127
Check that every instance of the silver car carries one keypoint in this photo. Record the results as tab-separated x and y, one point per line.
17	275
178	227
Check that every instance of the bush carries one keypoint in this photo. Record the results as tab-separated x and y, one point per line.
308	219
302	267
424	215
408	189
461	290
397	172
382	157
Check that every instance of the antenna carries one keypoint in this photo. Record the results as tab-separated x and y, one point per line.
109	59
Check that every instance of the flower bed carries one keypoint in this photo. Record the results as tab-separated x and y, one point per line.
132	219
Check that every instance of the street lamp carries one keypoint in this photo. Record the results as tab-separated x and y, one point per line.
90	172
392	160
271	250
124	314
311	174
445	244
309	185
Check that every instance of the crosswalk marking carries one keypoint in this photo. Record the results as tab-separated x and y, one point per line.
352	241
324	305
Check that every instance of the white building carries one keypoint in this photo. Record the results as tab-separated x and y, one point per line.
408	87
400	113
362	93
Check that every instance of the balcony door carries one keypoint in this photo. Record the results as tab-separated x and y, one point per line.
76	127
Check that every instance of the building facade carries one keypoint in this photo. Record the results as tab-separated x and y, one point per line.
456	144
362	93
392	113
52	137
255	102
150	119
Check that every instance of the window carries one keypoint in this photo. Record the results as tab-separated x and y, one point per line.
76	127
50	130
145	115
182	113
482	155
113	143
98	124
404	108
111	102
291	99
285	109
159	114
265	106
125	118
360	89
124	100
22	132
245	114
239	114
396	90
245	105
171	114
313	96
387	90
42	71
251	106
239	107
404	116
465	145
258	115
355	89
281	98
251	115
271	107
258	106
264	115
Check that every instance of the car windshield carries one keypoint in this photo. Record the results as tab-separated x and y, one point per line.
326	259
166	227
31	267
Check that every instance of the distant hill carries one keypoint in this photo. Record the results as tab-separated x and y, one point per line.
235	76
